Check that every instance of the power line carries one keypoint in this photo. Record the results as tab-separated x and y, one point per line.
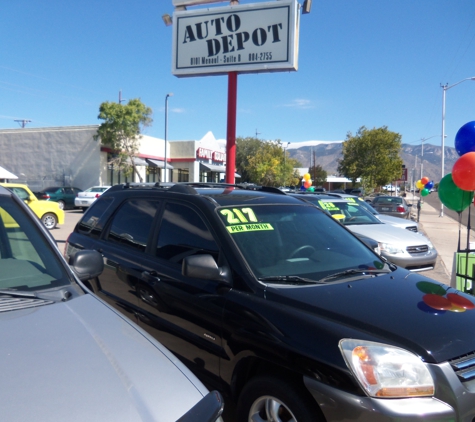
23	122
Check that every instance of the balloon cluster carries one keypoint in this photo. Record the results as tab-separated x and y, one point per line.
307	183
424	185
456	188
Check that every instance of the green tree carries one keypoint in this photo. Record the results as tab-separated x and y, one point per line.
373	156
245	148
121	131
265	162
318	175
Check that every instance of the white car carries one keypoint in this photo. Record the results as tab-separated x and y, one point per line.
85	199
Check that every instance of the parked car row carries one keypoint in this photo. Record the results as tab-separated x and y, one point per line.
261	294
272	300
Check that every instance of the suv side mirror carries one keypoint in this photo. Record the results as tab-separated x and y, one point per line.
204	266
86	264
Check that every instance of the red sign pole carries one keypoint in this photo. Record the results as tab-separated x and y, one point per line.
231	129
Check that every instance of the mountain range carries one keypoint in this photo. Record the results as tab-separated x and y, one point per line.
328	154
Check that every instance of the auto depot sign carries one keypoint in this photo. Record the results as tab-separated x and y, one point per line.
244	38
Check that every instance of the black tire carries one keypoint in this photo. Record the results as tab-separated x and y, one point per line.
61	204
290	402
49	220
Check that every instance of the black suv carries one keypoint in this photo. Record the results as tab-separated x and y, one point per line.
270	300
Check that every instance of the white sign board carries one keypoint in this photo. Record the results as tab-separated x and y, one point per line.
244	38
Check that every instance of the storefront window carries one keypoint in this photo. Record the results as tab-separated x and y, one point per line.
181	175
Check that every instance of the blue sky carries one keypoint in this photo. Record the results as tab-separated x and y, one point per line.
366	63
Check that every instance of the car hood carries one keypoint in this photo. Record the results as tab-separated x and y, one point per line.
389	234
395	221
403	308
79	360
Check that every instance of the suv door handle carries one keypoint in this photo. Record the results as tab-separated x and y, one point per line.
150	277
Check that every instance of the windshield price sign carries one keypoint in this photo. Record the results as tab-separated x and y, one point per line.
245	38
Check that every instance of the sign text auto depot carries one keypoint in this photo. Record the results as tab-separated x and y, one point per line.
248	38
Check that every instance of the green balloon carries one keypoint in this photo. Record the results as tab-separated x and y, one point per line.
425	192
452	196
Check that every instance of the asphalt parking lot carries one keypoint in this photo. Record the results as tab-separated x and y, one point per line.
61	233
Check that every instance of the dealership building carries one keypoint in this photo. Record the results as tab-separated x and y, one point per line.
71	156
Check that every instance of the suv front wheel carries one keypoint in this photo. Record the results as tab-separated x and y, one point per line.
271	399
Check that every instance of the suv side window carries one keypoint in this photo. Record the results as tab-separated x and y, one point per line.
183	233
132	224
91	222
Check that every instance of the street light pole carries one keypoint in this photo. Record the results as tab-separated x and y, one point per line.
170	94
422	152
285	155
444	89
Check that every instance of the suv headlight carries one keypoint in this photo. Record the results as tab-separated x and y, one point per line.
386	371
390	248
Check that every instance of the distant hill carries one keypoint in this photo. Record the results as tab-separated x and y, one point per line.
327	155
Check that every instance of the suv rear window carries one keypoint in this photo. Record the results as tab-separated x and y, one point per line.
132	224
90	222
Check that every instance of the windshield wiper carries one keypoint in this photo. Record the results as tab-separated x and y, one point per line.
18	293
353	271
55	296
289	279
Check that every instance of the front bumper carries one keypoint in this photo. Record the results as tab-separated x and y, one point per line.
339	405
420	262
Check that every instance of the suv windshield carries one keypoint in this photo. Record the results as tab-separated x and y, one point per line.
27	262
290	240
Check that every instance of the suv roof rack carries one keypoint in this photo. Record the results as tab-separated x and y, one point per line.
189	187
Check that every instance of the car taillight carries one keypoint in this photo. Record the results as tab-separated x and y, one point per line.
97	195
44	196
400	209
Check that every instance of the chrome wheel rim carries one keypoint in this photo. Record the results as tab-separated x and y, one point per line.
49	221
270	409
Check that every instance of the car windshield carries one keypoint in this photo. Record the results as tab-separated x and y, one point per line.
51	189
387	200
366	206
27	262
349	213
295	240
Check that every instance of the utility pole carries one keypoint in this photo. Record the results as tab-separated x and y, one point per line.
120	97
257	133
23	122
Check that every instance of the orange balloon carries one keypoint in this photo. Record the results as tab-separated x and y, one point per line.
307	183
463	172
425	180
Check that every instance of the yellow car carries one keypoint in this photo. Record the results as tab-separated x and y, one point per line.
48	212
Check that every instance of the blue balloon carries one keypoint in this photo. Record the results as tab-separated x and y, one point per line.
303	187
465	139
429	185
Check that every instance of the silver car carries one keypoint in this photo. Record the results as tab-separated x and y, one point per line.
412	251
67	355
